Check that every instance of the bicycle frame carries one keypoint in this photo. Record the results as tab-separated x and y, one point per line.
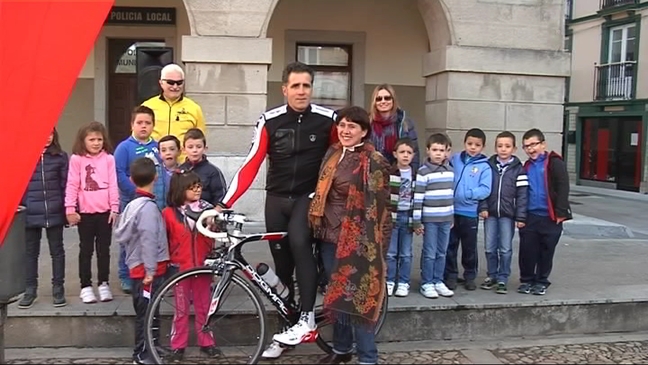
227	263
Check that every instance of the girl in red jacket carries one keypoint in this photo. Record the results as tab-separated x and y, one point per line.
188	249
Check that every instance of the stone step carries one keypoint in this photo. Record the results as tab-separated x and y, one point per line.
468	316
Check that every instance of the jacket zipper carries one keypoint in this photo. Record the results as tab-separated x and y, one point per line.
499	192
297	138
170	110
44	189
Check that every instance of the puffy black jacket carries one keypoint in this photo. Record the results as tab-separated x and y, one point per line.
211	177
509	192
46	191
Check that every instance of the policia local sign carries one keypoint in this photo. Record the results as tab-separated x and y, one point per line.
125	15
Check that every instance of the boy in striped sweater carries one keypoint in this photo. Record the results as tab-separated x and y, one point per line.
401	184
433	215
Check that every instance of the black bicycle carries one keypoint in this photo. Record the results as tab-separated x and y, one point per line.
230	295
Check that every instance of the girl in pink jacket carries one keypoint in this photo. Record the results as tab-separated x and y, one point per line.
92	204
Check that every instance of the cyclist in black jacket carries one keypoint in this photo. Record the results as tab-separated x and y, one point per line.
294	137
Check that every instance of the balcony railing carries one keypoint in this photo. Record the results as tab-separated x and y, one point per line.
615	81
606	4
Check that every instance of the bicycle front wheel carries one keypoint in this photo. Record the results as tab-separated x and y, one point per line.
238	328
325	328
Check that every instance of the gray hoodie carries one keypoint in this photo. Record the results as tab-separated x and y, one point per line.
142	231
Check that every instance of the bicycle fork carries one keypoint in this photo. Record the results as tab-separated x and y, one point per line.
214	304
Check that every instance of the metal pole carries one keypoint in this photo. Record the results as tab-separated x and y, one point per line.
3	319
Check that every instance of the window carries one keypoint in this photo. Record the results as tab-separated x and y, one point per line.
127	62
332	66
622	44
598	150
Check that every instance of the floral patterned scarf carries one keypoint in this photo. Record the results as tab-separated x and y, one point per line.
357	285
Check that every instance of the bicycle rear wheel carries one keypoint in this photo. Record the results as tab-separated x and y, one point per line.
325	328
245	325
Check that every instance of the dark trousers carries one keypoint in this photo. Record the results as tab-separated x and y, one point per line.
464	233
294	252
140	304
57	252
95	234
538	241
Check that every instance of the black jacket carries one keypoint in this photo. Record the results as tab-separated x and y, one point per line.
45	194
557	185
509	192
213	181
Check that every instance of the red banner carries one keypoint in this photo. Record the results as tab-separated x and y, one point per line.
43	47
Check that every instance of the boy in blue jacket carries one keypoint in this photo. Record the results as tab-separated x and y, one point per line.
472	183
139	144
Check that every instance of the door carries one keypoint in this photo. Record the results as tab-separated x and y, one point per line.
629	155
122	84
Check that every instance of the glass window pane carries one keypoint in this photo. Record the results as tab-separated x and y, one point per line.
615	55
323	56
126	64
631	32
617	34
331	89
630	50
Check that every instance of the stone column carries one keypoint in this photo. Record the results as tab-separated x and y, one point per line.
228	78
495	89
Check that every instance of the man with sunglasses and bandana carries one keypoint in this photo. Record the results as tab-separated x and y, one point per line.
294	137
175	113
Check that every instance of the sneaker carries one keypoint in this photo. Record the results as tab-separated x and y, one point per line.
524	288
176	355
390	288
104	293
58	296
300	332
211	351
488	284
28	299
428	291
402	290
451	284
470	285
443	290
87	295
501	288
539	289
274	350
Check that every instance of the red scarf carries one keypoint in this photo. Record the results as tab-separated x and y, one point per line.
385	135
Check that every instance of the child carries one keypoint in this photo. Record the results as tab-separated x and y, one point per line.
472	183
213	182
92	203
188	250
139	144
506	205
433	214
399	254
547	208
43	201
142	233
169	146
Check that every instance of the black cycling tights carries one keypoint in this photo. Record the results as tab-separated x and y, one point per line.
294	252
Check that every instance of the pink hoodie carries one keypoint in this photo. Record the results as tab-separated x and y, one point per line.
92	184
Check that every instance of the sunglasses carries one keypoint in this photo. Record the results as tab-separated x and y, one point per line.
385	98
174	82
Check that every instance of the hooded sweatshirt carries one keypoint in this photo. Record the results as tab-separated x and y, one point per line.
92	184
472	182
142	231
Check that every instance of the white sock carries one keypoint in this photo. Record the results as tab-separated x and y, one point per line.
309	317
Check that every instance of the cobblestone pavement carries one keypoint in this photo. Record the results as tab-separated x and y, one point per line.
598	353
594	353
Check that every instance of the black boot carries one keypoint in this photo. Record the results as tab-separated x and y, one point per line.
28	298
58	295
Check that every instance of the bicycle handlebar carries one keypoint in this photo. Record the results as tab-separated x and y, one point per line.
226	216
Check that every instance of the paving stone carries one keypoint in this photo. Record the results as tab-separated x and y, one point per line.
599	353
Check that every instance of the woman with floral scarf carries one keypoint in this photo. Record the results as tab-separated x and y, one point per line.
389	123
350	215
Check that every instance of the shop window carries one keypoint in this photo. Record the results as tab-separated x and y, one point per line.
332	67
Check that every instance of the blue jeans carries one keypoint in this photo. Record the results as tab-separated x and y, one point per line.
399	255
365	338
433	259
498	237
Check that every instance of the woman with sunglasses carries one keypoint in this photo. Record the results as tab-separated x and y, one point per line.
175	113
389	124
